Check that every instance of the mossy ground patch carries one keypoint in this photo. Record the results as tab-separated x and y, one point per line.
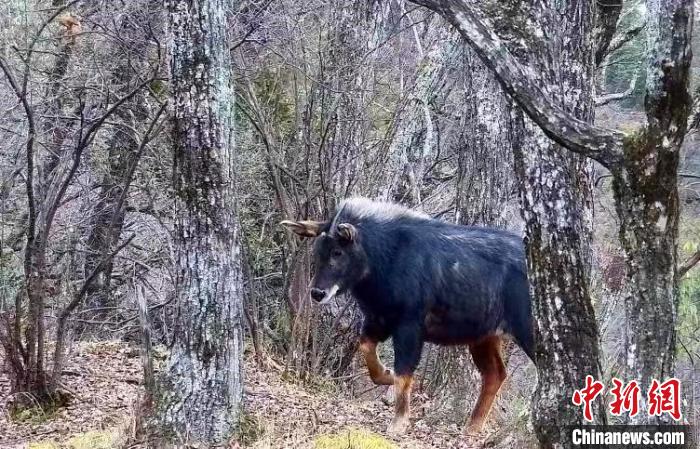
353	439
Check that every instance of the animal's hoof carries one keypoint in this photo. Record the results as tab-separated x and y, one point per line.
474	428
398	426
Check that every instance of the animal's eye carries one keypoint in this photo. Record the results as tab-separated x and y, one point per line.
336	253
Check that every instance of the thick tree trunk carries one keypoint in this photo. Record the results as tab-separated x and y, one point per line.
556	203
485	156
646	198
199	394
557	241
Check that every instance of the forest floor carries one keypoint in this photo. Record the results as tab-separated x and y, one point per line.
105	379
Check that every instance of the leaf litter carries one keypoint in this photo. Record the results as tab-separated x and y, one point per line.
105	379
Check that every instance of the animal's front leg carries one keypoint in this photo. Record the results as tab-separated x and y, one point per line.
379	374
408	345
402	408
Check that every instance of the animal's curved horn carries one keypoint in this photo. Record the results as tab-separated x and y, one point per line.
306	228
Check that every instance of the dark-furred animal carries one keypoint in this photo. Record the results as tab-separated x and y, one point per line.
418	279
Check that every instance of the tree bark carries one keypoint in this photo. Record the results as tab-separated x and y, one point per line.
199	396
646	199
414	129
556	204
608	14
484	156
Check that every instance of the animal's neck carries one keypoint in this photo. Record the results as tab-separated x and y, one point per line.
371	291
380	247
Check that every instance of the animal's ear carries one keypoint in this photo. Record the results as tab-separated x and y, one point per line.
347	232
305	228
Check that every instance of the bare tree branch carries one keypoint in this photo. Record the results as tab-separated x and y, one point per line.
132	169
621	39
600	144
30	50
66	312
84	142
689	264
31	202
605	99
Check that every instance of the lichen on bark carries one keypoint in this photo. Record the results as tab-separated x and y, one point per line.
199	394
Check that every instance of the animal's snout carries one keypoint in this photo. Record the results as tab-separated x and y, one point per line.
317	294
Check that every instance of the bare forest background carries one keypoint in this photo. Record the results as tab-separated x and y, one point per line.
332	99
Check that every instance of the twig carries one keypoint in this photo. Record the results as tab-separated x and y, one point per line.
605	99
622	39
688	264
77	298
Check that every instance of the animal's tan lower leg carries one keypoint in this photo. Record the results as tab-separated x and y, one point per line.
379	374
403	385
487	358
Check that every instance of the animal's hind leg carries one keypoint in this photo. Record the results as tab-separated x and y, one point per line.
379	374
487	358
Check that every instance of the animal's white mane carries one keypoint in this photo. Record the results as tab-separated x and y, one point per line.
365	208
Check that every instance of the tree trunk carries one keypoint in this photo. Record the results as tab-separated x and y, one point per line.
33	378
484	158
414	130
199	397
646	199
557	242
608	14
556	200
